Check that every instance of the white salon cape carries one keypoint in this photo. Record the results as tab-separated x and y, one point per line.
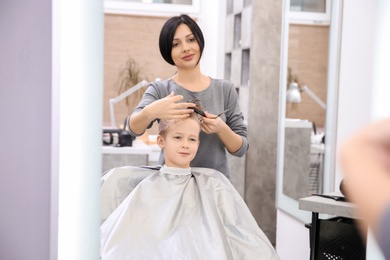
177	214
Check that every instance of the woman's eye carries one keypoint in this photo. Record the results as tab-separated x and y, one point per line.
192	40
175	44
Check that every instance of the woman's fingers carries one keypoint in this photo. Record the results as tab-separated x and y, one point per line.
175	100
211	123
171	107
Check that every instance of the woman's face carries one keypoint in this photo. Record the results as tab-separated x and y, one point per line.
185	49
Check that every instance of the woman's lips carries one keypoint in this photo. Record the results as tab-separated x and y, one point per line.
188	57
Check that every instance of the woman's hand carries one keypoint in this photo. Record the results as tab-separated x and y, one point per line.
212	124
168	108
365	161
165	108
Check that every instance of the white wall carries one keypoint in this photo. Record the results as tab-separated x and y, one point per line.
381	91
358	98
356	69
25	149
292	238
212	22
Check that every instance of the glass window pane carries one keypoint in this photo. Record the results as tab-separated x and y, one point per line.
318	6
179	2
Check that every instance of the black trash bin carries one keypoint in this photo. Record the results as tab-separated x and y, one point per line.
338	239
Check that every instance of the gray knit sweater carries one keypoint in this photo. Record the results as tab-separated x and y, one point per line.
219	96
384	233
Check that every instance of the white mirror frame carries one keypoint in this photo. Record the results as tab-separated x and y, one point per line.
284	202
151	9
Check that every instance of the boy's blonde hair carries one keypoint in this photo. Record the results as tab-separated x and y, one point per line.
164	124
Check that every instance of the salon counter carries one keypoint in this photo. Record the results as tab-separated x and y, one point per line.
332	219
136	155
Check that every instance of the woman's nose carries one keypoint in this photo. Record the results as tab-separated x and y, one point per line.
186	47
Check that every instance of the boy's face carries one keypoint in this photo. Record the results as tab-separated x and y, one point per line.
180	143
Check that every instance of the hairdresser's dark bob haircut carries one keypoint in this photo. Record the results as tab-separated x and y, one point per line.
168	32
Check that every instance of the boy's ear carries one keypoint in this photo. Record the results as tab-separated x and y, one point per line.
160	141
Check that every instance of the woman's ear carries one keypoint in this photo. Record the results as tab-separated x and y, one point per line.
160	141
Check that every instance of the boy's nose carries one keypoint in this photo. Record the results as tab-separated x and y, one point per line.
185	144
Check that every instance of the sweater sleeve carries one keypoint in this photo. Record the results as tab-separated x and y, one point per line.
235	120
155	91
384	233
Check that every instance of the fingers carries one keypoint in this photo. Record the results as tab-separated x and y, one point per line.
186	112
176	99
173	97
184	105
209	115
211	124
367	153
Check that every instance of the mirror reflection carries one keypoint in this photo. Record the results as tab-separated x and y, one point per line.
305	109
309	84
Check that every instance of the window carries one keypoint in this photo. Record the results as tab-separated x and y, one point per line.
152	7
310	11
317	6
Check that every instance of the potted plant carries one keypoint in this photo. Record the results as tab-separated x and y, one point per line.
129	76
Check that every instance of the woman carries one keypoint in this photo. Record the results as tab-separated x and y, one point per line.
181	45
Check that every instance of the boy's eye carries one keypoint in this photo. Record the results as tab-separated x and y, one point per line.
177	137
193	140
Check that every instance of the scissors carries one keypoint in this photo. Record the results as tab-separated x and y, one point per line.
199	110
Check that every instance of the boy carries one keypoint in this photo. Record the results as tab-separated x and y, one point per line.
179	212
